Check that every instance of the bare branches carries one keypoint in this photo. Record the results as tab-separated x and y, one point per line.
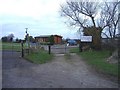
86	8
77	11
110	17
71	13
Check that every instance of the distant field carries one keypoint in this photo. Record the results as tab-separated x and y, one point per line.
11	46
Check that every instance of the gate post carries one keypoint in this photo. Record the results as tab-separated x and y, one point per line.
80	47
49	48
65	48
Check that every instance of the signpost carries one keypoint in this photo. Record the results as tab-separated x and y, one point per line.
86	38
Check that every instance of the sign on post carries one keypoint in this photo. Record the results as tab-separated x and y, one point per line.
86	38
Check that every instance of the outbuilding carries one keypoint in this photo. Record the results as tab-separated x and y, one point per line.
57	39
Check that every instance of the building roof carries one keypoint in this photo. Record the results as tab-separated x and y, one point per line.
41	36
58	35
46	36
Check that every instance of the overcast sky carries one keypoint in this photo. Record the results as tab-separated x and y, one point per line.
41	17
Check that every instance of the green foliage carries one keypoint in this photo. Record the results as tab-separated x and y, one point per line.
51	39
39	57
74	50
8	38
4	39
30	38
17	40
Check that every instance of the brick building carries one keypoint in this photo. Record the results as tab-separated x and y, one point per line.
46	39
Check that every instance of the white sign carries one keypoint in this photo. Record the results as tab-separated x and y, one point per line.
86	38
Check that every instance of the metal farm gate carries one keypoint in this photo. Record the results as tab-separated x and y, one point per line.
59	49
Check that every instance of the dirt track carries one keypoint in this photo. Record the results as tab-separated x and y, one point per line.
59	73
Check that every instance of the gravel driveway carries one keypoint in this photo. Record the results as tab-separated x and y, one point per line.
59	73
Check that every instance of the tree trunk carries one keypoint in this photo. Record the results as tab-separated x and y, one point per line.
96	42
96	36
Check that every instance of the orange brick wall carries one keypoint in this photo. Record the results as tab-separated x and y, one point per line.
57	40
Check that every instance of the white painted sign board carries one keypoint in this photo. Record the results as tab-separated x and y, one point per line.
86	38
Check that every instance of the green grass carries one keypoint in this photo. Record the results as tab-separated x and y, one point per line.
97	59
11	46
74	50
35	57
39	57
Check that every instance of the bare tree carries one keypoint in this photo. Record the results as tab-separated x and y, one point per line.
10	37
115	17
110	18
77	11
71	12
82	14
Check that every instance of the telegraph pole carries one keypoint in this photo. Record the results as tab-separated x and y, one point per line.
27	37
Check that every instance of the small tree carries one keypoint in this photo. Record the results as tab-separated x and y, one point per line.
31	39
4	39
10	37
51	39
17	40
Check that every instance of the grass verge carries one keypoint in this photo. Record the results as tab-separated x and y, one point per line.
74	50
39	57
97	59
